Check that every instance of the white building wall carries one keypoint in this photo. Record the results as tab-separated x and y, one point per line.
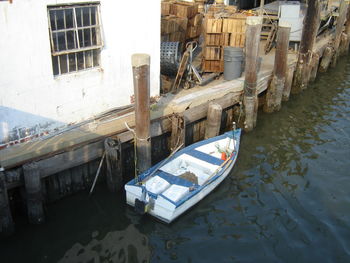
30	96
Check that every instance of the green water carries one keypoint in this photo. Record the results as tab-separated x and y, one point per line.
286	200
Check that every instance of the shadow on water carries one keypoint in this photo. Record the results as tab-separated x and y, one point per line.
286	200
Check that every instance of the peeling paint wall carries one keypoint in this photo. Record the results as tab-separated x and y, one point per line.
32	100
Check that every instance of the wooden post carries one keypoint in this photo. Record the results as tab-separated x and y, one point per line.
343	8
347	31
177	131
141	73
326	59
274	93
250	98
288	83
32	181
6	221
114	176
212	128
311	25
261	10
315	63
344	43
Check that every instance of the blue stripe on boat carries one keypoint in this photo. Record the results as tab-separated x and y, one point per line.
205	157
172	179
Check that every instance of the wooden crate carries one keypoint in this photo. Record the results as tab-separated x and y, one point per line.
193	31
222	8
216	66
179	36
184	9
196	20
165	8
213	25
213	53
170	24
236	30
214	39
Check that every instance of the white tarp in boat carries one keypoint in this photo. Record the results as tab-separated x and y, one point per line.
176	192
156	185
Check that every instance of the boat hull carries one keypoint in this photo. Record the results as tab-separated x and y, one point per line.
166	210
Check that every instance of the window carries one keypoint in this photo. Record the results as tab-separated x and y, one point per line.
75	36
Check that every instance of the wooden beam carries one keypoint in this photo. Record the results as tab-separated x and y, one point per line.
67	160
114	175
212	128
347	31
250	98
6	221
343	9
141	73
288	84
177	131
326	59
310	29
275	91
34	196
315	62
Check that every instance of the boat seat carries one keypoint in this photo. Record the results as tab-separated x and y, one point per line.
205	157
172	179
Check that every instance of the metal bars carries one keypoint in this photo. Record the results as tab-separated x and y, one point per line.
75	36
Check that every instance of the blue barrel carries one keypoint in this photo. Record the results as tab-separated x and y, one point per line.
233	60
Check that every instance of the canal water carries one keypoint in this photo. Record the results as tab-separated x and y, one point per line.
287	200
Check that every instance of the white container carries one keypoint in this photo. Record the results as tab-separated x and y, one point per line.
289	9
296	27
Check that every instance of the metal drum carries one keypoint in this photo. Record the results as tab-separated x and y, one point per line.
170	56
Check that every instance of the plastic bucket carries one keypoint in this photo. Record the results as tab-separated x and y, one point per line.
233	59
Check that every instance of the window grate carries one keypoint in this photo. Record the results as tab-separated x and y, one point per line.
75	36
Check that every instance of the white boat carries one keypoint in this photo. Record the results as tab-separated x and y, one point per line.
171	187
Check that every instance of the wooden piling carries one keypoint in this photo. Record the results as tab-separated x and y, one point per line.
114	175
32	181
275	91
343	8
314	63
250	98
288	83
6	221
177	131
141	73
212	128
347	31
326	59
343	47
310	29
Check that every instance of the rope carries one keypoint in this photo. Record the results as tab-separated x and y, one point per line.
179	129
240	112
135	148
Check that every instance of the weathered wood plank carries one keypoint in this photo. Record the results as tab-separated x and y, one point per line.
32	179
66	160
6	221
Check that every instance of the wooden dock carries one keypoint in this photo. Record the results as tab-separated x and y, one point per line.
68	160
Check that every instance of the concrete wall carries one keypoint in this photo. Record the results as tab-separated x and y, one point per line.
32	99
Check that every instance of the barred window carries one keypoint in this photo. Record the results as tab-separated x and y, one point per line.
75	36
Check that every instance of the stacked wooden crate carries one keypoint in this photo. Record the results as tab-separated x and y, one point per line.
173	28
221	32
201	4
180	21
217	9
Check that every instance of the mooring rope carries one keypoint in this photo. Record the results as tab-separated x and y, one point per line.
135	147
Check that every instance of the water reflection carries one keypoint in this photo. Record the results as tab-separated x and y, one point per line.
287	200
128	245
